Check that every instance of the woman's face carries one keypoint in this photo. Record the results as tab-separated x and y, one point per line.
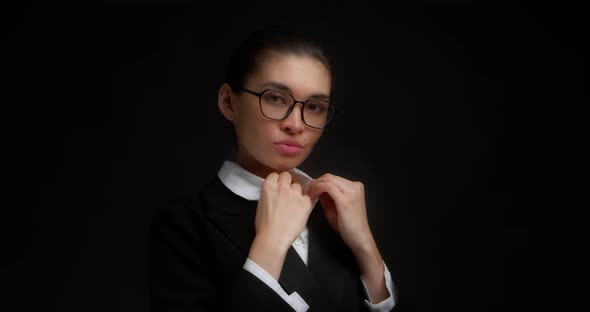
265	145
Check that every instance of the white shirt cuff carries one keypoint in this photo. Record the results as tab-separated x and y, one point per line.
294	300
387	304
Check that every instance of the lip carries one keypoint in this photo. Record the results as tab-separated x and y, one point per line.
290	143
288	147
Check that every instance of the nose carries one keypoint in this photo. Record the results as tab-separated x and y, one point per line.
294	121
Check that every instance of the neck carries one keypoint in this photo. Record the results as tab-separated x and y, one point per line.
254	166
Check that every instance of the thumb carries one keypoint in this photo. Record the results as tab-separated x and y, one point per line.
312	189
308	190
329	210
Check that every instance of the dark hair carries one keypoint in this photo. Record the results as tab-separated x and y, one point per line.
275	38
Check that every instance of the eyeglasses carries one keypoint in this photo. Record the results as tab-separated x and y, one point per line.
277	105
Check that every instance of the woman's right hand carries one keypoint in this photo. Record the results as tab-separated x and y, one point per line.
281	215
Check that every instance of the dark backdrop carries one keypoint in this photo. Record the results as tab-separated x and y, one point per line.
462	119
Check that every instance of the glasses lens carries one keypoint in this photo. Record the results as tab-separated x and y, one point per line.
275	104
318	113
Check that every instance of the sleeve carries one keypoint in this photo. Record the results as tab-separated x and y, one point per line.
387	304
180	274
294	300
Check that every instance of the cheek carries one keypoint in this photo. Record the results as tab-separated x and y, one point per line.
314	138
245	123
264	131
253	131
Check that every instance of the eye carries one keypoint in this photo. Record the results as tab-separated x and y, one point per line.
275	98
316	107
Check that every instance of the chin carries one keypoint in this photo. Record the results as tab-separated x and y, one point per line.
285	164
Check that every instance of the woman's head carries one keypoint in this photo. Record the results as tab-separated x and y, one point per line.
273	39
289	65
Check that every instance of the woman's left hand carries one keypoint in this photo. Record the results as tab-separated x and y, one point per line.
343	202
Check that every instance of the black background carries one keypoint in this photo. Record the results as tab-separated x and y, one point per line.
463	119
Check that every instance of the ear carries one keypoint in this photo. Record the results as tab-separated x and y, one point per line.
225	102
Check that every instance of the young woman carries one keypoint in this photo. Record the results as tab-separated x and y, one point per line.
254	239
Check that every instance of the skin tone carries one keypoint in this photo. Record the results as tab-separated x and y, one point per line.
283	209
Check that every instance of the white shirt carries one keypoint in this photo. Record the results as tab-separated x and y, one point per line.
247	185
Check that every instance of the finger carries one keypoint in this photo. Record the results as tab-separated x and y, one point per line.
273	177
342	183
308	200
328	206
296	187
325	179
326	203
309	189
285	178
297	177
324	187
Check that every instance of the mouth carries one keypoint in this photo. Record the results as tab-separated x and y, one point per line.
288	147
290	143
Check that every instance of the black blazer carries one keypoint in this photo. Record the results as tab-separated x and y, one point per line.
198	247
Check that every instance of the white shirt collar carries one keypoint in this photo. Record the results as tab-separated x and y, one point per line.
246	184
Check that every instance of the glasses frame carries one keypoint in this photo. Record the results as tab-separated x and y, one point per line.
295	101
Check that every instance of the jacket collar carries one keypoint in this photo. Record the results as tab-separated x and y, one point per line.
247	185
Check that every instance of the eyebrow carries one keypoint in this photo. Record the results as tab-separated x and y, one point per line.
282	87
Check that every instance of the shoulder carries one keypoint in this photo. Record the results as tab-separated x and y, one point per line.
186	208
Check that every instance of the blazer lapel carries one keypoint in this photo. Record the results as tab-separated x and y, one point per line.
332	264
295	276
232	215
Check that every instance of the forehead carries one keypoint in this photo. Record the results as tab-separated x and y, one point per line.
303	75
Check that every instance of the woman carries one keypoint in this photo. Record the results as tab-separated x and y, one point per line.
252	239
